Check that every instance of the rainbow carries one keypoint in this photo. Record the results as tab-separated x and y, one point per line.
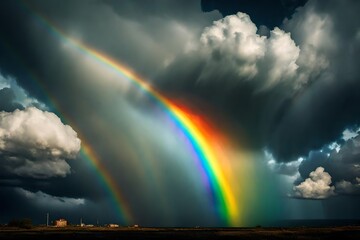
207	157
196	133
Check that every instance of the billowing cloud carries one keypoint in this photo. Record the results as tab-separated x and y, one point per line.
317	186
35	143
234	42
269	86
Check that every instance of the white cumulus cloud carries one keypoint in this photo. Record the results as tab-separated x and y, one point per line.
317	186
233	42
36	143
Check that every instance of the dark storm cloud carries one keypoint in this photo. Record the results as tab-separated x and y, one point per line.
263	12
292	93
146	34
237	83
290	124
135	32
82	183
342	166
328	105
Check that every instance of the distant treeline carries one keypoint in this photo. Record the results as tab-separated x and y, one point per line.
21	223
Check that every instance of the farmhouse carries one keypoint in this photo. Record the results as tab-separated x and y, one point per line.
60	223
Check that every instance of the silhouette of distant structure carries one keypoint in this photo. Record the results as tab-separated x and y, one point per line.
60	223
112	225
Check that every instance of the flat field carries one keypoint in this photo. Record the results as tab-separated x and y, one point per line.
39	233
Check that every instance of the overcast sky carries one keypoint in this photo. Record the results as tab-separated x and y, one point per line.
279	80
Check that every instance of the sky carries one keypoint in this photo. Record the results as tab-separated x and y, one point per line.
179	113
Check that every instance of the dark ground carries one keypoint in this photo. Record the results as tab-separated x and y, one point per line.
349	232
